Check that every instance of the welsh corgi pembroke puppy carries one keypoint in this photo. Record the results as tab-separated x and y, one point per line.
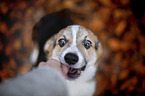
77	48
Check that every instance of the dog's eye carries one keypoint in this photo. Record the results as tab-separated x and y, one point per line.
87	44
62	42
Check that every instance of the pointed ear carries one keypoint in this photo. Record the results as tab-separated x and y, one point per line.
49	45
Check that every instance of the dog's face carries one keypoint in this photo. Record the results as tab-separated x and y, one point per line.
76	47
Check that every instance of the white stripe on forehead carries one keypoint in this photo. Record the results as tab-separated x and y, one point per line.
75	28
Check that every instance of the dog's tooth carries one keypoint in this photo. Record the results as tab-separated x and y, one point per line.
79	71
72	70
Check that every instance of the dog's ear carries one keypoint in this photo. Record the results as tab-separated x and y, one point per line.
49	45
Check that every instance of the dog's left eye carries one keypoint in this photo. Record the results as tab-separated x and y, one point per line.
62	42
87	44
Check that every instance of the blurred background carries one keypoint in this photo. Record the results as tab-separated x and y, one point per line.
119	24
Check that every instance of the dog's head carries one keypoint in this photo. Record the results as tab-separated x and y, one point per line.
76	47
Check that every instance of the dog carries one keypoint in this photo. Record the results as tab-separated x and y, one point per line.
79	49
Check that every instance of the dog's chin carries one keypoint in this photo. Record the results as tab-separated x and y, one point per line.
74	73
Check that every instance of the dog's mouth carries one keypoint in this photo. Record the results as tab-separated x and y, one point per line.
74	73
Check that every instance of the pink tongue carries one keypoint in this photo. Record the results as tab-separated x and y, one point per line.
65	70
72	71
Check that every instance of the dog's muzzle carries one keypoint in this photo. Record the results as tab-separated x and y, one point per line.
72	59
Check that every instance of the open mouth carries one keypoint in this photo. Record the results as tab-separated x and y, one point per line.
74	73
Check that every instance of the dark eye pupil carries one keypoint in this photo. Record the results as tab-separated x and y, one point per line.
62	42
87	44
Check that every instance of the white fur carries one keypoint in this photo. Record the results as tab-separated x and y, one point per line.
78	88
73	49
34	55
84	85
46	46
74	33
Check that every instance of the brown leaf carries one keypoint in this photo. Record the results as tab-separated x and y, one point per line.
114	44
120	28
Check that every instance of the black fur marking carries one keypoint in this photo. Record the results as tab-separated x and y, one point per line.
54	44
96	45
83	68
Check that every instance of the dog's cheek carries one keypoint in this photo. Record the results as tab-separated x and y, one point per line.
84	52
57	51
99	50
91	53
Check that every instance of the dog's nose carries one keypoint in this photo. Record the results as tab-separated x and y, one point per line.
71	58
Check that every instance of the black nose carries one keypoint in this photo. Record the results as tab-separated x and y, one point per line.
71	58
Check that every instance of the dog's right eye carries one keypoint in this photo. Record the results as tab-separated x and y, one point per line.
62	42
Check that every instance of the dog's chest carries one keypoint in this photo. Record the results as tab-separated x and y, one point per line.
78	88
